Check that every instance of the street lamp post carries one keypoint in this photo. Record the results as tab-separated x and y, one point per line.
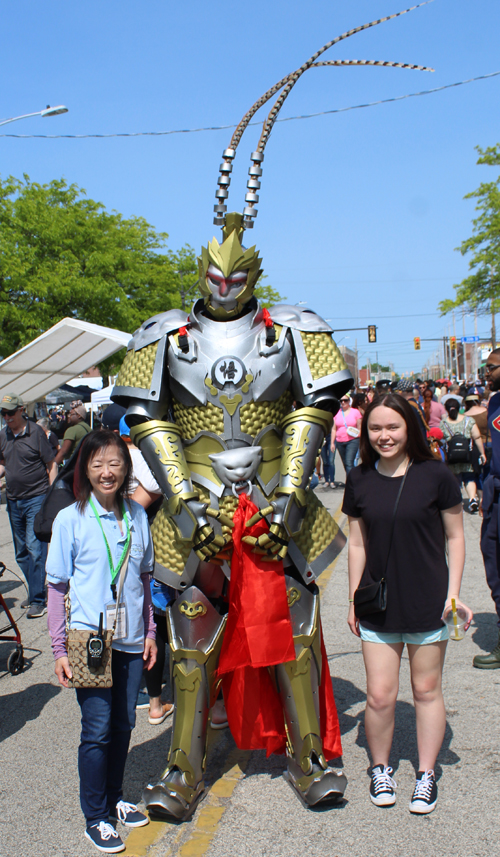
49	111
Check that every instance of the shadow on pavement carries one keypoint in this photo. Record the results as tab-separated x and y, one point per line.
16	709
404	744
485	634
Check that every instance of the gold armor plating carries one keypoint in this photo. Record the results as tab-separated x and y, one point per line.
293	595
258	415
322	354
192	610
192	421
137	368
167	442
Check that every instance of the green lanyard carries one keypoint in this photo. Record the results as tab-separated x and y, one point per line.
113	571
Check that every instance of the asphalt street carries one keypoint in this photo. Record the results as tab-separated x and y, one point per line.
250	810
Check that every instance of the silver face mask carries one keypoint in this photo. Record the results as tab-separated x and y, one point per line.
225	290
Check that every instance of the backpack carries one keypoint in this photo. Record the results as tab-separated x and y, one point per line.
459	450
59	495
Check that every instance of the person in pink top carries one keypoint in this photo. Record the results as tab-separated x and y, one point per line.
433	411
345	433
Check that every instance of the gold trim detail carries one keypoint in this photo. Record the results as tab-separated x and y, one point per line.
293	595
210	386
231	404
192	609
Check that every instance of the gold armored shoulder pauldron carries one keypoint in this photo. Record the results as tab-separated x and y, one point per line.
323	355
137	367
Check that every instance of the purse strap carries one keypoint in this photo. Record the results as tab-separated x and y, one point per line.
121	581
393	521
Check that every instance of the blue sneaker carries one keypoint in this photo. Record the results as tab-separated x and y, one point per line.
129	815
104	837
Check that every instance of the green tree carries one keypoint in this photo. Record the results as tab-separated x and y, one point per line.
62	254
481	289
265	293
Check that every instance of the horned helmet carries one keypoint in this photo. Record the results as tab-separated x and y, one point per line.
228	271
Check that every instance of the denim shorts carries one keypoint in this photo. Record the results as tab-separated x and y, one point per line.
422	638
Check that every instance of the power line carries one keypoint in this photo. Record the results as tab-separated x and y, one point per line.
226	127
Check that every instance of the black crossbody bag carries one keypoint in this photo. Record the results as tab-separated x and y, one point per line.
373	598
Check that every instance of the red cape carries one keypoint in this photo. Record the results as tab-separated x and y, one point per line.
259	635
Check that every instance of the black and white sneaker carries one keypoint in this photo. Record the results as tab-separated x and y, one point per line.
129	815
425	794
105	837
382	787
473	506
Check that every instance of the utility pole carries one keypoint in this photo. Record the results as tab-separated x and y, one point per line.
456	349
356	361
476	355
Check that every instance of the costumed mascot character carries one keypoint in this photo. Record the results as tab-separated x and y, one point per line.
230	407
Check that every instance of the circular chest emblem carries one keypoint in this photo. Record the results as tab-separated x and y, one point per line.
228	370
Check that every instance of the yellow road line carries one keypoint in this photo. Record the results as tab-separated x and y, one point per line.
195	838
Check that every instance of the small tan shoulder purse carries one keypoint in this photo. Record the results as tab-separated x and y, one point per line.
76	645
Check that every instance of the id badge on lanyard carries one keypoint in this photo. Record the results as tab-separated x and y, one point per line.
121	623
111	608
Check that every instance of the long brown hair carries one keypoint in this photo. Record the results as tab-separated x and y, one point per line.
90	446
416	447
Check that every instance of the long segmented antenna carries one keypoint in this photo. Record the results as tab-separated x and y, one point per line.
286	84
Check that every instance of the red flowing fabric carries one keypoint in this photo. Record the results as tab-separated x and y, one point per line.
259	635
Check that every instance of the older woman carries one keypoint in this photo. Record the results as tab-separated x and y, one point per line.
91	541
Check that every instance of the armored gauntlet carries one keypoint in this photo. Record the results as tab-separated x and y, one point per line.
161	445
304	431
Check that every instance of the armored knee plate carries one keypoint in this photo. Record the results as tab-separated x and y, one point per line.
298	683
195	633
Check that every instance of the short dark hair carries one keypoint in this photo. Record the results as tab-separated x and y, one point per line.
416	446
90	446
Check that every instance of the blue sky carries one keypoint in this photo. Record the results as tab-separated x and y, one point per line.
359	212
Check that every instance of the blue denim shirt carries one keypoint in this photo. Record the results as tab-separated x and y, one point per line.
77	554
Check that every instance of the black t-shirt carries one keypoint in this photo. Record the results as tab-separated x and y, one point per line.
417	573
25	458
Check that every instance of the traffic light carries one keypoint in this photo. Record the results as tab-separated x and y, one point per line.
453	343
416	342
372	333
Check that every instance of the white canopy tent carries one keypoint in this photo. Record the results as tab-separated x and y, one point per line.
58	355
101	397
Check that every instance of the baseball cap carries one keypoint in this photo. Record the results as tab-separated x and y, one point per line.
112	416
404	386
10	402
124	429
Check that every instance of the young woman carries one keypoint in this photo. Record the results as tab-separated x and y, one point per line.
90	542
345	433
420	584
457	423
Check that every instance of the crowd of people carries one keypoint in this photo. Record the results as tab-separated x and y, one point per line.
444	410
406	448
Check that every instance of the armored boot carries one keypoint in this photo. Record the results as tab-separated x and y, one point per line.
298	682
195	634
490	661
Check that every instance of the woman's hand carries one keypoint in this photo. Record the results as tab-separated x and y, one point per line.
150	652
62	670
467	610
352	621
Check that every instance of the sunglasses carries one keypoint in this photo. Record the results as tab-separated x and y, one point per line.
343	401
490	367
8	413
